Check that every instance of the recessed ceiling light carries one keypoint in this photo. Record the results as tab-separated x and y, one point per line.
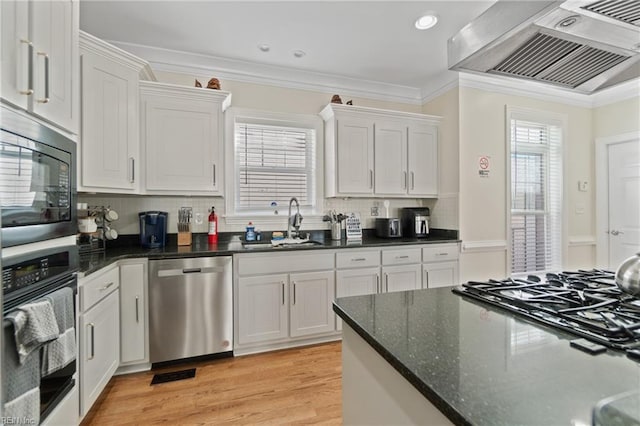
426	21
264	47
299	53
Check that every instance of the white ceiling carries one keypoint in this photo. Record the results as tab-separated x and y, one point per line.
373	41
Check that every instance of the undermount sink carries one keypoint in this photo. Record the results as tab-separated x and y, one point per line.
269	245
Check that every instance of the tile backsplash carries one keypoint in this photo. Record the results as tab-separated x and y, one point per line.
444	211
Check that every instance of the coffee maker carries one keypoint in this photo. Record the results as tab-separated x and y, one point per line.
415	222
153	229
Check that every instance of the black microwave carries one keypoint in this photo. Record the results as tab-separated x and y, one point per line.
37	181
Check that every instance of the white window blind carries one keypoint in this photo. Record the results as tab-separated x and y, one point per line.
273	164
536	196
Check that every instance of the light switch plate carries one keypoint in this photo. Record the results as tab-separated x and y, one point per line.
583	185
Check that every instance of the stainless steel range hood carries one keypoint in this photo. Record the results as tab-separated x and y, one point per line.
584	46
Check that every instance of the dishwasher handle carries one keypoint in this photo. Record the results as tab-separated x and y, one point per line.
186	271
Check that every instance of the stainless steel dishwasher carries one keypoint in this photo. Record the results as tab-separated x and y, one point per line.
190	307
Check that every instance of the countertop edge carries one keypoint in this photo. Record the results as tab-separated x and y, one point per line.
449	411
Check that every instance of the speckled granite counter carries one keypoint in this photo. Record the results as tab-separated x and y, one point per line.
483	366
231	244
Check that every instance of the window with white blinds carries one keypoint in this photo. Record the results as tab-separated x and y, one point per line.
536	195
273	164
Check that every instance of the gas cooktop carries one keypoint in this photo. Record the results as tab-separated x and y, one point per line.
588	304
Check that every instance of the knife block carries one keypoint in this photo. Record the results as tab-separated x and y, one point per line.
184	237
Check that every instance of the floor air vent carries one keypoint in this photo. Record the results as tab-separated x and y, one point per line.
173	376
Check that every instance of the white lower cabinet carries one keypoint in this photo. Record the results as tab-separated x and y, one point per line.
99	348
133	313
357	282
283	299
311	296
440	274
401	278
262	308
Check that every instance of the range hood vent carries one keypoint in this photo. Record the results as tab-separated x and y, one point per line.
547	58
584	46
626	11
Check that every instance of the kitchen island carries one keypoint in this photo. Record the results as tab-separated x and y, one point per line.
432	357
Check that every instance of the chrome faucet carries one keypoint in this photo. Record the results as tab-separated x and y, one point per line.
295	220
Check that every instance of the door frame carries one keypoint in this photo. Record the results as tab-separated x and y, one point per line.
602	192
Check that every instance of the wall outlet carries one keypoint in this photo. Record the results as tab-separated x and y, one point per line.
583	185
198	218
374	211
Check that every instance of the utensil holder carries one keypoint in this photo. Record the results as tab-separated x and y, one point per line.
336	229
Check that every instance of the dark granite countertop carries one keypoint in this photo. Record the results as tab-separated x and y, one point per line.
483	366
128	247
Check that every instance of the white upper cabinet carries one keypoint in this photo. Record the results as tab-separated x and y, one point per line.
182	139
423	160
110	144
390	147
40	59
371	152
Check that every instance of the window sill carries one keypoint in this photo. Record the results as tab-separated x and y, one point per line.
274	222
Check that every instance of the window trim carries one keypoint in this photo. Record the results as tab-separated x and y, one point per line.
551	118
310	121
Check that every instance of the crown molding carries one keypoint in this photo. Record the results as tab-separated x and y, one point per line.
331	110
95	45
429	96
186	93
621	92
251	72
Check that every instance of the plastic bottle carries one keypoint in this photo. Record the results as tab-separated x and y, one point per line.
250	235
212	235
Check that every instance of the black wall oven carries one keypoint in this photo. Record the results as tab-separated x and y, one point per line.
30	278
37	181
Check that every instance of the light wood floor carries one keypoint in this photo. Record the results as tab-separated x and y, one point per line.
293	386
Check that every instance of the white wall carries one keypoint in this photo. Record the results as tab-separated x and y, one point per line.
617	118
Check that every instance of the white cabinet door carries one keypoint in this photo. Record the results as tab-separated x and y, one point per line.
133	313
54	32
440	274
182	142
357	282
15	52
400	278
263	308
355	156
390	148
99	348
312	294
423	160
110	137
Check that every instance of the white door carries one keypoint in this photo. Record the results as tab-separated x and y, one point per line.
312	294
132	313
357	282
401	278
423	160
109	124
390	152
262	308
15	52
440	274
55	41
624	201
355	156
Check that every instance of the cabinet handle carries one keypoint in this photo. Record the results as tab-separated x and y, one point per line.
46	78
106	286
413	180
137	317
93	342
214	175
377	283
282	282
358	259
294	292
442	254
386	281
132	169
405	180
29	89
402	257
371	178
426	279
